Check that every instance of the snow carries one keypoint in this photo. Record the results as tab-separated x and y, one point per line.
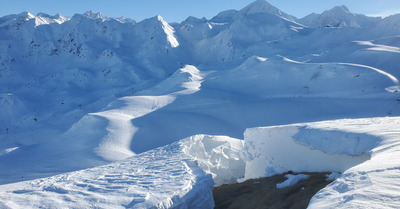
106	112
379	47
173	175
340	17
263	6
169	30
219	156
160	178
116	144
371	184
292	180
274	150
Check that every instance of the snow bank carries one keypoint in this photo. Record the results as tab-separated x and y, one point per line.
374	183
160	178
274	150
217	155
365	151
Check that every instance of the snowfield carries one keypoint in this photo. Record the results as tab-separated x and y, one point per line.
100	112
181	175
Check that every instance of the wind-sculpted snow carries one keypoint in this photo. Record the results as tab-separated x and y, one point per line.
175	175
274	150
161	178
365	151
116	144
379	47
374	183
103	136
217	155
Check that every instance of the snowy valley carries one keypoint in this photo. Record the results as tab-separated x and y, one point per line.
100	112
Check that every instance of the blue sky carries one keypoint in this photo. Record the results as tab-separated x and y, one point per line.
178	10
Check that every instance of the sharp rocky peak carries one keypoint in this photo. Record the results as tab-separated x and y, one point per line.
93	15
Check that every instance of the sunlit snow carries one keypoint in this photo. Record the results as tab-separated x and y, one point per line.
100	112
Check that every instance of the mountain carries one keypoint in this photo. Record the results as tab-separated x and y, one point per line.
263	6
339	16
109	99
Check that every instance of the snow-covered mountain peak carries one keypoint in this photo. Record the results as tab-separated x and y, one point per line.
193	20
263	6
39	19
92	15
22	17
391	23
225	16
44	19
340	9
125	20
339	16
26	15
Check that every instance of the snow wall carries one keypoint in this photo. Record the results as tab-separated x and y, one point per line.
267	151
219	156
178	175
298	148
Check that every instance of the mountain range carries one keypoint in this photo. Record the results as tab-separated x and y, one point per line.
89	91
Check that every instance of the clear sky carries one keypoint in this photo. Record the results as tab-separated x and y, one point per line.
178	10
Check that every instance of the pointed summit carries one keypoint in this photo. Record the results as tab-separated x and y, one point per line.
26	16
340	9
92	15
158	29
263	6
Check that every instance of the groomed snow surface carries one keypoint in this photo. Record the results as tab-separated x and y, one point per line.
180	175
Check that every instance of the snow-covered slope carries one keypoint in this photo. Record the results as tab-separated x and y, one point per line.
160	178
85	91
364	151
263	6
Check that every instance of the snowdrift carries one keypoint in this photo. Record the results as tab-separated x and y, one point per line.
180	175
160	178
276	150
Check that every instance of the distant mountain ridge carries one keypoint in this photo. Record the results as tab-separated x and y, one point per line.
339	16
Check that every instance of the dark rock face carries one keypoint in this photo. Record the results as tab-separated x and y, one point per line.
263	193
